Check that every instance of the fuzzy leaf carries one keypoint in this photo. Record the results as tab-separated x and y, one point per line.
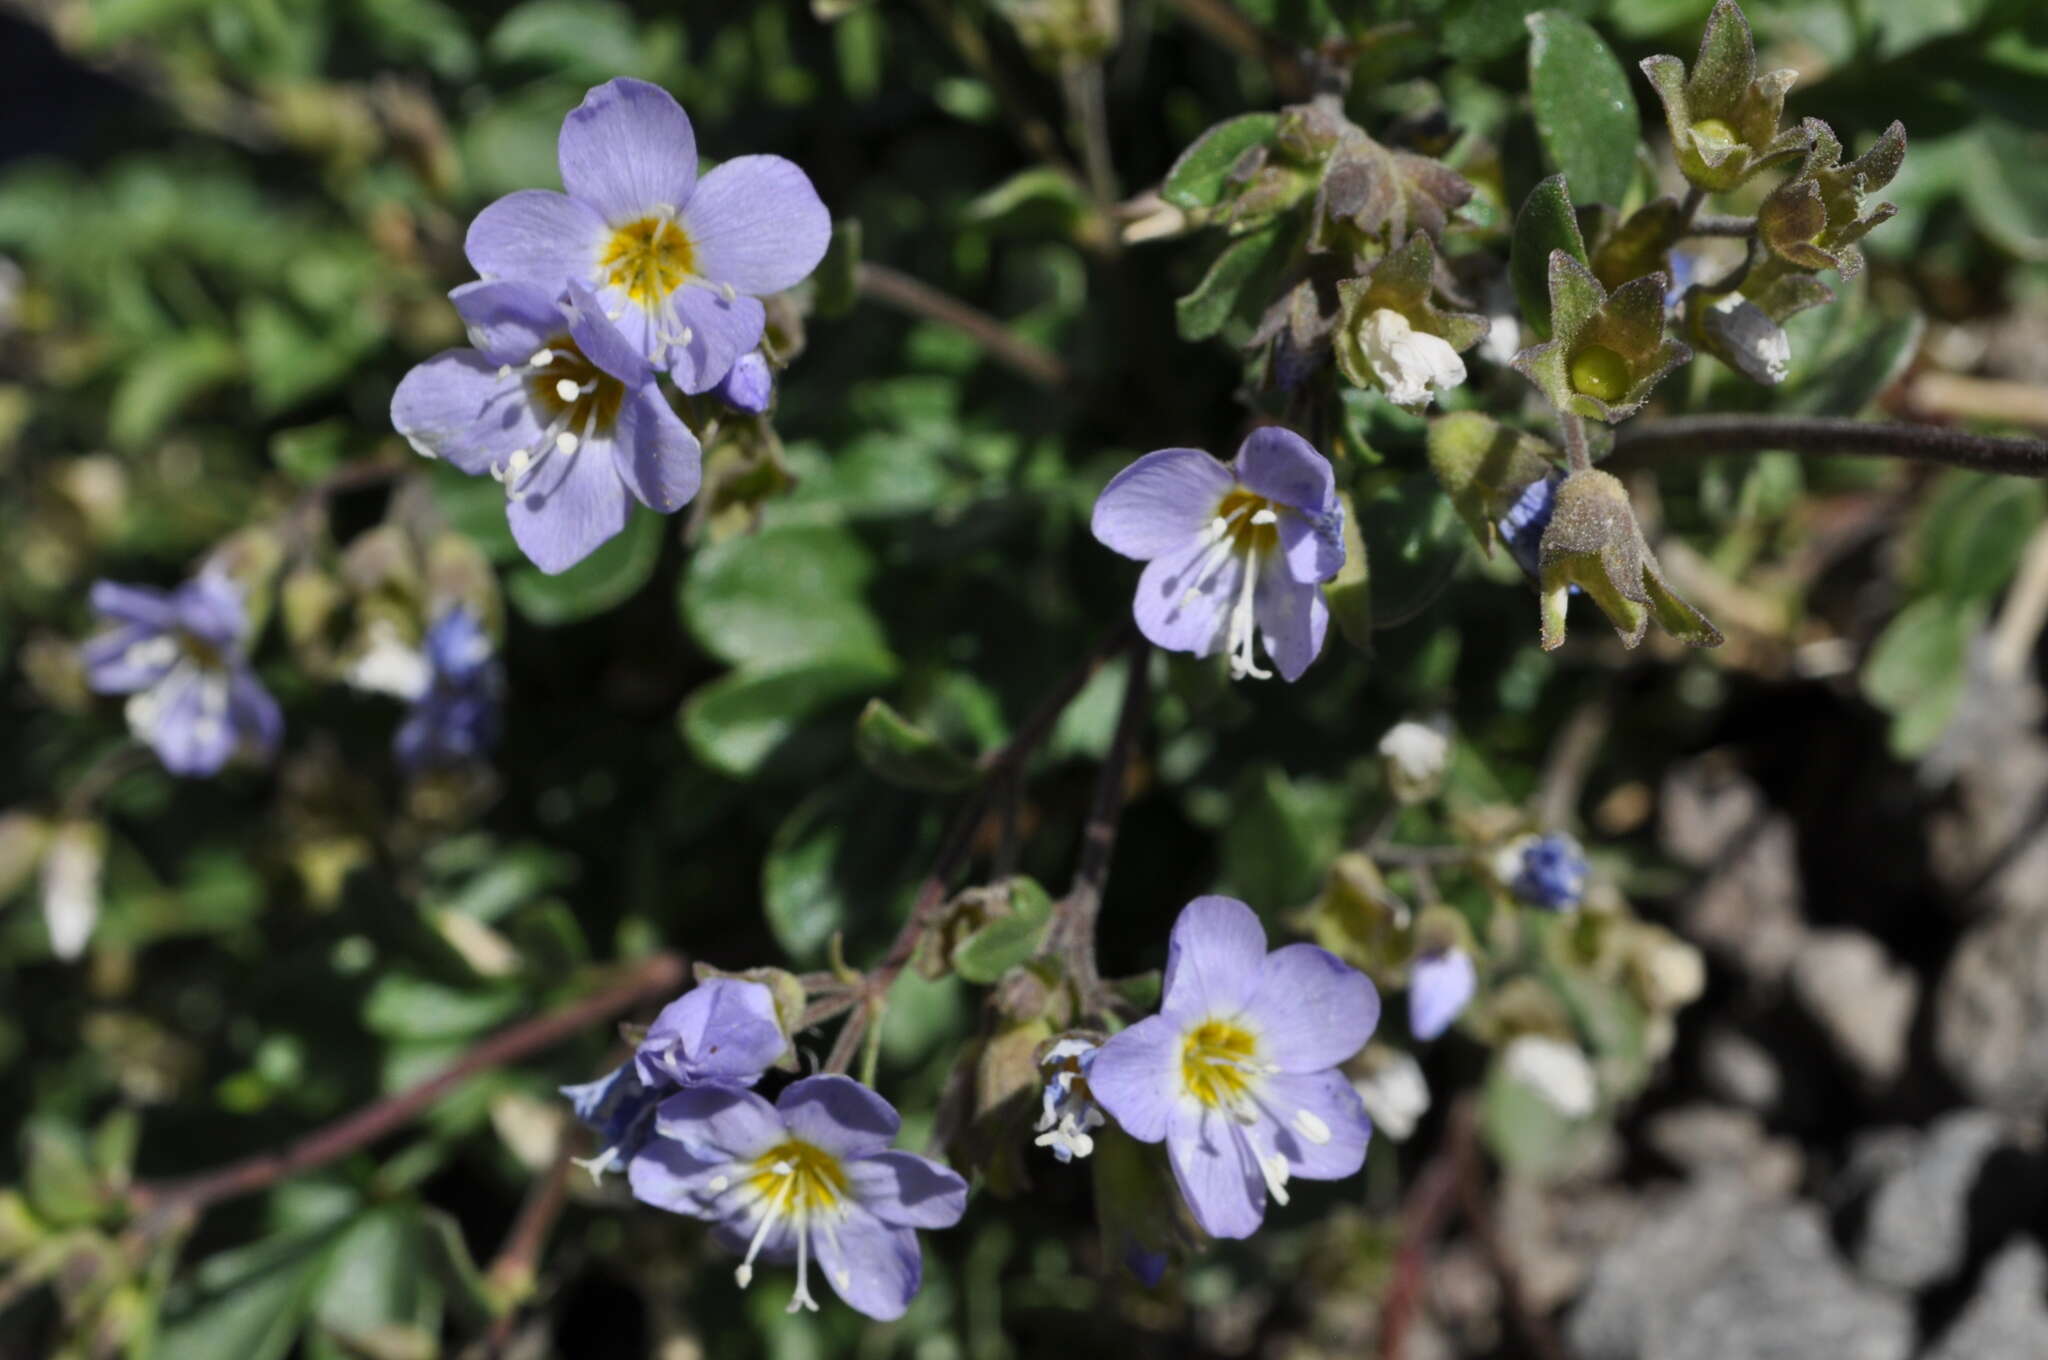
1545	224
1586	114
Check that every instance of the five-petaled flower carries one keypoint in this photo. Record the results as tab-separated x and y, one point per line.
722	1032
811	1175
1232	549
454	714
180	656
556	404
1237	1073
679	263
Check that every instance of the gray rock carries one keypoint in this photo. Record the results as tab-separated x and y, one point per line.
1861	999
1747	908
1703	1138
2008	1319
1784	1295
1916	1230
1991	1012
1684	1239
1740	1070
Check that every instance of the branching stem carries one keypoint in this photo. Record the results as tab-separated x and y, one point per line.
1824	435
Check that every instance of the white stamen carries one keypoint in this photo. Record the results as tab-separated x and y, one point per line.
615	314
685	336
1265	516
1311	1127
542	357
719	1185
745	1275
727	291
598	1165
520	459
1274	1169
566	389
566	443
505	371
1242	625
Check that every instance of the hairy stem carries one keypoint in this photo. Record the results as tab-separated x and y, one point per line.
918	298
1822	435
169	1202
512	1271
1721	224
1573	427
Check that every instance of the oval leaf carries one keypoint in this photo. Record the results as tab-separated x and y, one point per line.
1585	113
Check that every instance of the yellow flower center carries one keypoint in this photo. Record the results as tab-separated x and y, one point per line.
649	258
1599	372
1247	529
1216	1061
799	1178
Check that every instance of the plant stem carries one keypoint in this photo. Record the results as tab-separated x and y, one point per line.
1824	435
511	1274
1088	109
918	298
1072	936
1573	427
1721	224
173	1201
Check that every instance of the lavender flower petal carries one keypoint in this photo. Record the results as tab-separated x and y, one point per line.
749	385
1280	465
1136	1077
1216	1169
1439	987
142	606
724	1030
457	407
562	517
721	330
1293	620
1158	504
874	1266
720	1123
1324	1129
1213	958
627	148
907	1190
839	1115
657	457
757	224
535	235
1184	599
1311	1008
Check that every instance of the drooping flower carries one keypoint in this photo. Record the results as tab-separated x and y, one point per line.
554	403
454	716
1415	755
1237	1072
1232	549
1412	366
1556	1070
679	263
1393	1090
749	385
811	1175
1521	528
1546	871
1440	985
1067	1109
181	657
722	1032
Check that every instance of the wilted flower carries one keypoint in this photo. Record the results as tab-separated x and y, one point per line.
72	864
1237	1073
1440	985
811	1175
1211	533
1546	871
1393	1090
1415	755
180	656
721	1032
454	716
1412	366
1521	528
1392	335
554	403
1554	1069
749	385
1592	542
1067	1110
678	263
1742	335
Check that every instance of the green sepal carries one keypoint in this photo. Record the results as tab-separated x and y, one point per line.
1593	542
1483	466
1639	245
1629	323
1723	88
1545	223
1403	281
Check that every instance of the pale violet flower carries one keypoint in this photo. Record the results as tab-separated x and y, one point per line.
1393	1090
750	384
679	263
1440	986
1521	528
455	715
722	1032
181	657
1555	1070
1413	367
1743	335
1237	1074
1067	1109
1547	871
72	864
1233	551
1416	755
555	404
811	1176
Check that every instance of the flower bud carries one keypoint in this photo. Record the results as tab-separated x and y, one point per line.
1556	1070
1741	335
749	385
1594	543
1414	756
1391	335
1723	116
1392	1089
1606	350
72	864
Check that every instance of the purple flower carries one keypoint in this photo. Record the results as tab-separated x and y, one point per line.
810	1176
1067	1111
750	384
680	264
1237	1072
1439	987
1230	548
722	1032
454	717
1543	871
1521	528
554	403
181	657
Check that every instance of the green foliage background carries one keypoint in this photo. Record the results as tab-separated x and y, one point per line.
237	241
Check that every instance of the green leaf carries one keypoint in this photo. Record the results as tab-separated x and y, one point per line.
1007	941
1545	223
905	754
1864	353
1975	531
1199	177
60	1180
740	722
1525	1132
1480	30
158	384
1918	658
250	1302
1042	201
845	859
403	1006
585	40
1282	835
1208	309
376	1278
784	594
602	581
1417	542
1585	112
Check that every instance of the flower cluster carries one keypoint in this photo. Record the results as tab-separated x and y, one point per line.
810	1176
585	297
